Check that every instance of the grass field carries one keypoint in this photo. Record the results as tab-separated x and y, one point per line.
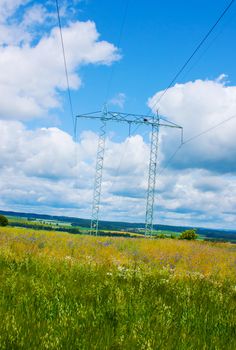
61	291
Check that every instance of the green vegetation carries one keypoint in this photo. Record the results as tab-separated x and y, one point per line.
61	291
123	229
79	307
3	220
189	235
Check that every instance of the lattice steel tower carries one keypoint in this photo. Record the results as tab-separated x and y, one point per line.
155	122
152	175
98	174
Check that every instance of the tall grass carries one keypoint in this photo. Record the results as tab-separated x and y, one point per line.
66	292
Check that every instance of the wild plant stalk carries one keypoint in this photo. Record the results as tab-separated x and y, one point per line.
51	297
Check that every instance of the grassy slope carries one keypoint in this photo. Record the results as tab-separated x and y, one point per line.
77	226
60	291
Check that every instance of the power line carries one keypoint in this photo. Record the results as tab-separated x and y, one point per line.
184	66
207	130
109	84
208	46
128	118
193	54
175	78
192	139
170	159
66	70
172	82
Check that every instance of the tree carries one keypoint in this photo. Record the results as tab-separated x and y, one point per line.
188	234
3	220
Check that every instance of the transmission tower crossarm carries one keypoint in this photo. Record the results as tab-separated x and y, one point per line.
129	118
155	122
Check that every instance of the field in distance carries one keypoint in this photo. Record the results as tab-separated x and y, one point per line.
63	291
109	228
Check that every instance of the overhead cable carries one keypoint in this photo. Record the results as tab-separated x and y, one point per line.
192	139
66	70
208	46
193	54
207	130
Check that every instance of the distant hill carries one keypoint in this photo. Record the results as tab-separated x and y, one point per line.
217	234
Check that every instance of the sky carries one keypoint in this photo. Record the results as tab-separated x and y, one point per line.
123	53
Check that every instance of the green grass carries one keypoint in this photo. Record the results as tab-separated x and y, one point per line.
64	307
50	301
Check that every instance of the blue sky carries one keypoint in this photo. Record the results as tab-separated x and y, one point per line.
43	170
157	39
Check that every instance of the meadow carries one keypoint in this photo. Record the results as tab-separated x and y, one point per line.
63	291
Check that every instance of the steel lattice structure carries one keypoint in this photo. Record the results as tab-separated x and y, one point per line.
98	176
155	122
152	176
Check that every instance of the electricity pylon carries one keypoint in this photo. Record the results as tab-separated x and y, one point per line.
98	175
152	175
137	119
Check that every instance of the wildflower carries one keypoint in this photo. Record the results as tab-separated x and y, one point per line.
68	257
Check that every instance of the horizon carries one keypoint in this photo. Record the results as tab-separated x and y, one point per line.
124	54
116	222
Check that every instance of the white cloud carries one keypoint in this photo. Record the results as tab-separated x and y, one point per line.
118	100
8	8
198	106
44	171
198	197
13	34
32	68
35	15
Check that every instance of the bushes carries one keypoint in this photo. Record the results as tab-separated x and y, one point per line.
188	234
3	220
160	235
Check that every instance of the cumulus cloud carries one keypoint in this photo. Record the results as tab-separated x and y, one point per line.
198	106
38	166
8	8
197	197
35	15
45	171
199	184
118	100
32	70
